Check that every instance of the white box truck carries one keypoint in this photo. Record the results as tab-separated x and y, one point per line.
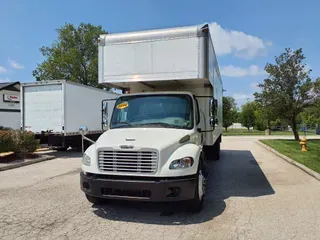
53	110
167	123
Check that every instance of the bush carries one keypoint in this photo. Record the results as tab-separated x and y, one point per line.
5	128
24	142
19	142
6	141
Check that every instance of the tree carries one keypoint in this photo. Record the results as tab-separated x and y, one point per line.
248	117
311	116
229	111
73	56
260	121
288	90
237	116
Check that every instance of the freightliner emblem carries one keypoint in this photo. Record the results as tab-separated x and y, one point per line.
126	146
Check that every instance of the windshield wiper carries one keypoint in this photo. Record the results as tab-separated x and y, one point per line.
157	124
122	124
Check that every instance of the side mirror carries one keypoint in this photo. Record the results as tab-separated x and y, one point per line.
105	115
213	106
212	121
83	130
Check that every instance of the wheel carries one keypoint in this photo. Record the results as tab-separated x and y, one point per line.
94	200
195	205
216	151
213	152
62	149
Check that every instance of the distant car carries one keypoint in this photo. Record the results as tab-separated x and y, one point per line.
276	128
304	129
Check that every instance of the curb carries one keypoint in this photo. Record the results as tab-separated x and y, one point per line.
42	149
17	165
289	160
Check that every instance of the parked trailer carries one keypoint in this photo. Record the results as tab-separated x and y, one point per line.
166	125
10	105
53	110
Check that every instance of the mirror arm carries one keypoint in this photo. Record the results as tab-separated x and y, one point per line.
82	142
88	139
202	131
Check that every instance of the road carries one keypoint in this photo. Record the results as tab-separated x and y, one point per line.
252	194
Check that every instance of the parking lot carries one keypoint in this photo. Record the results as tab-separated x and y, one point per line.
252	194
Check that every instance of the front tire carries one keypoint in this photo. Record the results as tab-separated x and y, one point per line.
195	205
94	200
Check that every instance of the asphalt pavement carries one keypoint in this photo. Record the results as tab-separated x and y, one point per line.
252	194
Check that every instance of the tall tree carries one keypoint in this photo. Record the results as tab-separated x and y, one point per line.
288	90
248	116
229	111
263	116
260	121
73	56
311	116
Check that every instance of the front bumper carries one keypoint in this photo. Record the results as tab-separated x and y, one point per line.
139	189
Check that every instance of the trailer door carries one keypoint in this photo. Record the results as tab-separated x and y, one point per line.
43	108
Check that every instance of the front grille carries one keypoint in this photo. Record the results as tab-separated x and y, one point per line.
126	192
128	161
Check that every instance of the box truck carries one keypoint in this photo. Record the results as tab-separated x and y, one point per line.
53	110
166	125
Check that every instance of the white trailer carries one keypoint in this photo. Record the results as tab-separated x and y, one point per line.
53	110
10	105
166	125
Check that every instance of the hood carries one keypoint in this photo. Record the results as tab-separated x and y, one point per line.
157	138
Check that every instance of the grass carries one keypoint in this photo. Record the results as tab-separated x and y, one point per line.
242	132
245	132
292	149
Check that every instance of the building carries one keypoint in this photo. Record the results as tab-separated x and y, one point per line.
10	105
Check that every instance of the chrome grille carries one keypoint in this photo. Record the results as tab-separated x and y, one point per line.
128	161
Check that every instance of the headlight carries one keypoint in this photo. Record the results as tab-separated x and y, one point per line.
185	162
86	160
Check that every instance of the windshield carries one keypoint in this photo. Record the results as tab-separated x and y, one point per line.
167	111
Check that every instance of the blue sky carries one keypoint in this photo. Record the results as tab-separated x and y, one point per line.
247	33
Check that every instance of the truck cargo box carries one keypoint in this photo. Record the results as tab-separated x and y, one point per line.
155	55
60	107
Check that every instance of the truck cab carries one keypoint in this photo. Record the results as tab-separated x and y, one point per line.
163	128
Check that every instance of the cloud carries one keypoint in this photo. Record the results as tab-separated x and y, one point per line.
4	80
238	43
233	71
2	69
15	64
242	96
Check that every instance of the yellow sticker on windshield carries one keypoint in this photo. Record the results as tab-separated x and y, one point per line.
122	105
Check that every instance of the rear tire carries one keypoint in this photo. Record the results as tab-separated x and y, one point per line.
216	151
62	149
94	200
213	152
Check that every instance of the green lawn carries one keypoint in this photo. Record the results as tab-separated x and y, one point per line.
244	132
292	149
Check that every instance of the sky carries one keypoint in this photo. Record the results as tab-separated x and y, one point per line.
247	34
